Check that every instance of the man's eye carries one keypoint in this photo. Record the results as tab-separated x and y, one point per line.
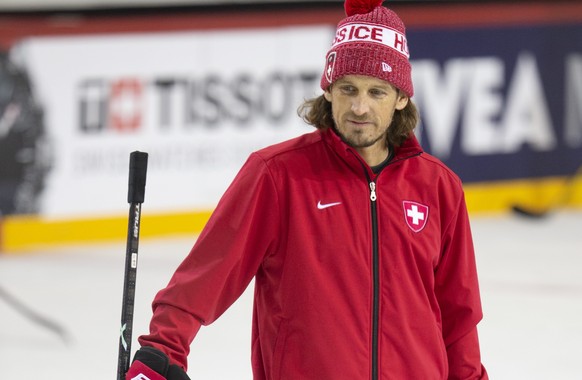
348	89
377	93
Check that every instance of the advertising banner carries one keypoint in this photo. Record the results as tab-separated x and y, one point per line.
500	104
495	103
199	103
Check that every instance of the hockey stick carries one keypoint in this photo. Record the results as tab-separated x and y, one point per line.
34	316
138	162
563	198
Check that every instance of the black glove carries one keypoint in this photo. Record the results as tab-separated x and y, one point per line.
157	361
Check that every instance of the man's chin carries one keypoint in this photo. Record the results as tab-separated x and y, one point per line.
358	141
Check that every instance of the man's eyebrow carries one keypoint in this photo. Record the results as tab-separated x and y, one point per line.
343	81
384	86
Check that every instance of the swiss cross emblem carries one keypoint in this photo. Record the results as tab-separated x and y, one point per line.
415	214
330	64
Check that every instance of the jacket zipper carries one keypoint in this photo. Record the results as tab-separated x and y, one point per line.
375	280
376	268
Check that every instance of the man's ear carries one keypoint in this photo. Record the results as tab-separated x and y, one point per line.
402	101
327	94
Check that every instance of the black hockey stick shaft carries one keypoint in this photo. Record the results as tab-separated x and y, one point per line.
138	162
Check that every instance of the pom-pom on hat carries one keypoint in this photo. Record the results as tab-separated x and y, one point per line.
370	41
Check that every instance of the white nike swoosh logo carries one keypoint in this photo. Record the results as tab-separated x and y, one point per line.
322	206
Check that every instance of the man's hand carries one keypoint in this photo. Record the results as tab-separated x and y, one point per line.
152	364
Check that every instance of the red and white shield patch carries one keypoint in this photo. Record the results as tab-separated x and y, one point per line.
330	66
415	214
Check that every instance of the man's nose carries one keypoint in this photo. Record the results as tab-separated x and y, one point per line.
360	105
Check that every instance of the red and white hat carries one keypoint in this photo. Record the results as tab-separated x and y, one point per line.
371	41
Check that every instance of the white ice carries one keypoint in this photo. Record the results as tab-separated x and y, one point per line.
531	287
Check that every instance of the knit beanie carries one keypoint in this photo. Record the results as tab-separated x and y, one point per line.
370	41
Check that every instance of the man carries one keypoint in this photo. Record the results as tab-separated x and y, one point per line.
359	242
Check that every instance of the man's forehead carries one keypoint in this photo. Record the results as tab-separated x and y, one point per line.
364	80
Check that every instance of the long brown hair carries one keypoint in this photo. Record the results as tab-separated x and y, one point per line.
317	112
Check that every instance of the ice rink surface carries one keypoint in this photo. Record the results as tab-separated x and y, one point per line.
531	286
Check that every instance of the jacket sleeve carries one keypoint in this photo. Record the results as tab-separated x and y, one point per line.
464	358
457	290
242	230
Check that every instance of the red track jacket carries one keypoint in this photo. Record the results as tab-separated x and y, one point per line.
357	276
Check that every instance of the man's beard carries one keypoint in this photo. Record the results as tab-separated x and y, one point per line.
356	142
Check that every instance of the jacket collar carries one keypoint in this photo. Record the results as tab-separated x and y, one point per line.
408	149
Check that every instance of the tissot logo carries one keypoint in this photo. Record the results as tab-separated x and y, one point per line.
130	104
